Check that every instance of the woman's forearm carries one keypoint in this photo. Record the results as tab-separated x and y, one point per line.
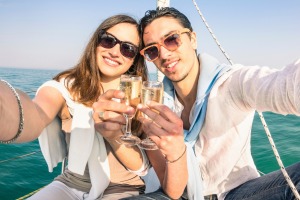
131	157
34	116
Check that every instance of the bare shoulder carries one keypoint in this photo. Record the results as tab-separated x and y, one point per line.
50	100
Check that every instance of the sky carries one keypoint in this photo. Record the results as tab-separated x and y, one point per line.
53	34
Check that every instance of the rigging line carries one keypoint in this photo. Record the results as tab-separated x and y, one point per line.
18	157
282	168
288	179
212	34
29	194
260	172
30	91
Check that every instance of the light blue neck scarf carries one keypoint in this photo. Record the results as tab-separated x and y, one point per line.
211	70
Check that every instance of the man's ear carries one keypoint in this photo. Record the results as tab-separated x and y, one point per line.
194	40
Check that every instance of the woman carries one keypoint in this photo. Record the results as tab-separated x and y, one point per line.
97	168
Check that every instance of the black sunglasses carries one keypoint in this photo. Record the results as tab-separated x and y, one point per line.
108	41
170	42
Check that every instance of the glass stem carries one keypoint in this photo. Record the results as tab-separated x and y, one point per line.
128	125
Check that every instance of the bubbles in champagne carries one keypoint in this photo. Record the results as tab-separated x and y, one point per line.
135	92
126	87
131	86
152	94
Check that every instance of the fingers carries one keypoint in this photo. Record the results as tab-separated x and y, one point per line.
108	125
150	127
110	94
107	108
166	141
108	114
162	117
109	130
163	110
102	116
104	105
162	125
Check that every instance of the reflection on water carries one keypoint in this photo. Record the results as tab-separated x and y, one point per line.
21	176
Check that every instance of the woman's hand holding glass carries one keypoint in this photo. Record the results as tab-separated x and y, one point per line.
159	122
108	115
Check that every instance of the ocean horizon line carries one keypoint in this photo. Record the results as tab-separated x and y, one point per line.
32	68
151	71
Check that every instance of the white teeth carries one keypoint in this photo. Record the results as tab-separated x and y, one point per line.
111	61
171	65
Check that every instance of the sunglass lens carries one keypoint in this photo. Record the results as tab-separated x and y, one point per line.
151	53
172	42
128	50
107	41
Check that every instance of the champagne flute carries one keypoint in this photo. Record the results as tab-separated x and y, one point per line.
151	91
131	86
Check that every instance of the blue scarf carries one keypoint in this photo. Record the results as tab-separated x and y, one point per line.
211	70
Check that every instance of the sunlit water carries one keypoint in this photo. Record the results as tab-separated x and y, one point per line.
22	175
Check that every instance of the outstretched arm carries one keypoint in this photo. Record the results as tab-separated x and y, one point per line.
37	113
266	89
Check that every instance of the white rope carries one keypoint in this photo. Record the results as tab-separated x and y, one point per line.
18	157
282	168
288	179
212	34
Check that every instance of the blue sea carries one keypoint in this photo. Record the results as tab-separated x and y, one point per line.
23	169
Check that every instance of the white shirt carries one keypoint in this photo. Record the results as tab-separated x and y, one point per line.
224	142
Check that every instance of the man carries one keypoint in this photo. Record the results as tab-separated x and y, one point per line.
204	133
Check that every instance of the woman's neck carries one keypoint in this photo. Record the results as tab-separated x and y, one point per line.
113	83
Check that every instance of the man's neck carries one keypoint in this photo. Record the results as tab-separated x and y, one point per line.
186	90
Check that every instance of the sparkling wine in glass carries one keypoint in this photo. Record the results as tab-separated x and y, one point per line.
131	86
151	91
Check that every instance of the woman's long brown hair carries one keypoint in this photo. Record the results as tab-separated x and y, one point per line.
84	79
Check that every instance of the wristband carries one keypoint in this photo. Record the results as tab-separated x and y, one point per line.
21	114
172	161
